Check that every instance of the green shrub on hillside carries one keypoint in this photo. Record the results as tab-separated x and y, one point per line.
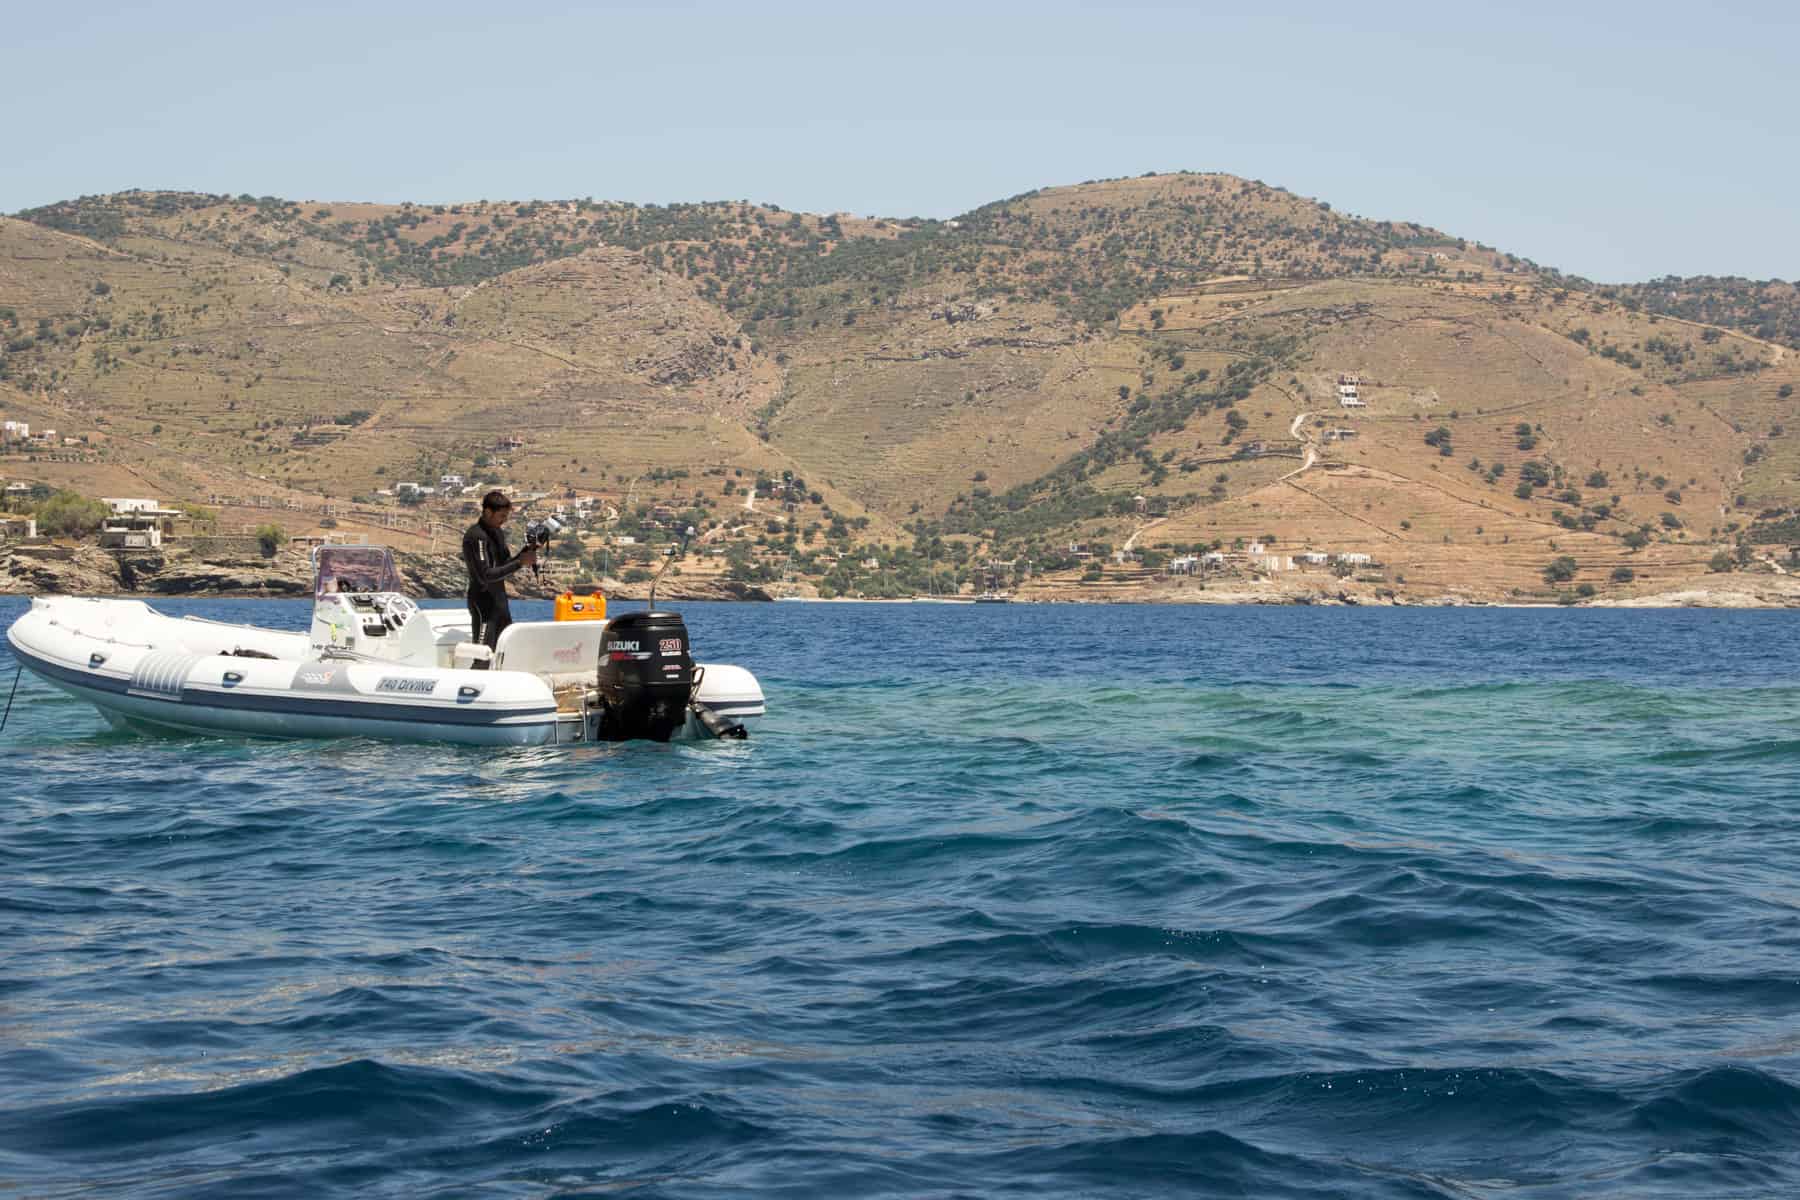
70	514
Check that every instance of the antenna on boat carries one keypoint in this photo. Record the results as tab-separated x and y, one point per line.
651	602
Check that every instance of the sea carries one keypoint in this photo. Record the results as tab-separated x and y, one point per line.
1001	900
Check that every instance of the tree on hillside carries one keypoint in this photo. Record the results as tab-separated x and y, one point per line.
70	514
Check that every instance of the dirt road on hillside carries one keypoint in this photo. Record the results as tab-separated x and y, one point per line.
1312	454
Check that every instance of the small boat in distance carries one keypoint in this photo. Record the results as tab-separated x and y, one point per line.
992	594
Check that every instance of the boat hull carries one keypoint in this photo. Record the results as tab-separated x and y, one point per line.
245	713
149	716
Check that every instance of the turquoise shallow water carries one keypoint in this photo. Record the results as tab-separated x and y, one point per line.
1001	900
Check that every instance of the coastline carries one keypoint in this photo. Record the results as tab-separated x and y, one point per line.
287	575
90	571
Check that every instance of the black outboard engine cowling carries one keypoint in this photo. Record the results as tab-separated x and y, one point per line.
646	676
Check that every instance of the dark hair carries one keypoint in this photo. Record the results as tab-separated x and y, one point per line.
495	499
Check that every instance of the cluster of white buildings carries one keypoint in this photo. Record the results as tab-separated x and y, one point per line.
1258	557
447	485
136	524
1254	555
18	434
1349	395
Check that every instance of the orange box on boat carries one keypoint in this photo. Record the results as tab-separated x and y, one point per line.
570	607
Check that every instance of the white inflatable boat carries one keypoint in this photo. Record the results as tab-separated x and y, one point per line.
375	664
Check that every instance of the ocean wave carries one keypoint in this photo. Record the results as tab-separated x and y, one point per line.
1751	753
1206	1162
1089	944
1749	1108
1736	993
360	1098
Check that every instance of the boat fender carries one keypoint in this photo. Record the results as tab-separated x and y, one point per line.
718	726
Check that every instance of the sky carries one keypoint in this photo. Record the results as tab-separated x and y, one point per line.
1619	142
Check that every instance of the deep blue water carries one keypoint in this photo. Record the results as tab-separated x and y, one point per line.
1021	900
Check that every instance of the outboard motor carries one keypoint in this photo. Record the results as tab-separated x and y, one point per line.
646	676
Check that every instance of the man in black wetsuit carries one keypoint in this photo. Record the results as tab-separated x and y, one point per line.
489	561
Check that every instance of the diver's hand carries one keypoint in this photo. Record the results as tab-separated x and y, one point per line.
528	555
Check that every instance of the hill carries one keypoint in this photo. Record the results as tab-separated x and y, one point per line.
1769	308
1153	361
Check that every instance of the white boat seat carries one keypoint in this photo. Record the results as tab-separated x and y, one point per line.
560	651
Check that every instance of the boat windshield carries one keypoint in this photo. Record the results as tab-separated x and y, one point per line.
355	569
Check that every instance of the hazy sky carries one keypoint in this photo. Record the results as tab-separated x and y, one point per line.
1617	141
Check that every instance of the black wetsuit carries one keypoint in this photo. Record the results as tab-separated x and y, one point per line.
490	562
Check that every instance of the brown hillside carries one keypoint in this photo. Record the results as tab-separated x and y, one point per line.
1016	376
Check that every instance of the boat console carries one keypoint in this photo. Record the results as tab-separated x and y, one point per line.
360	609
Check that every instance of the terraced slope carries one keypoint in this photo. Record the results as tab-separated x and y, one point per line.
1070	364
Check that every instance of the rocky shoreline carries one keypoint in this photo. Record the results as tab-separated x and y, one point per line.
90	571
1706	591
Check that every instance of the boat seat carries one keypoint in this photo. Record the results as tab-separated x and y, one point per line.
560	651
465	655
